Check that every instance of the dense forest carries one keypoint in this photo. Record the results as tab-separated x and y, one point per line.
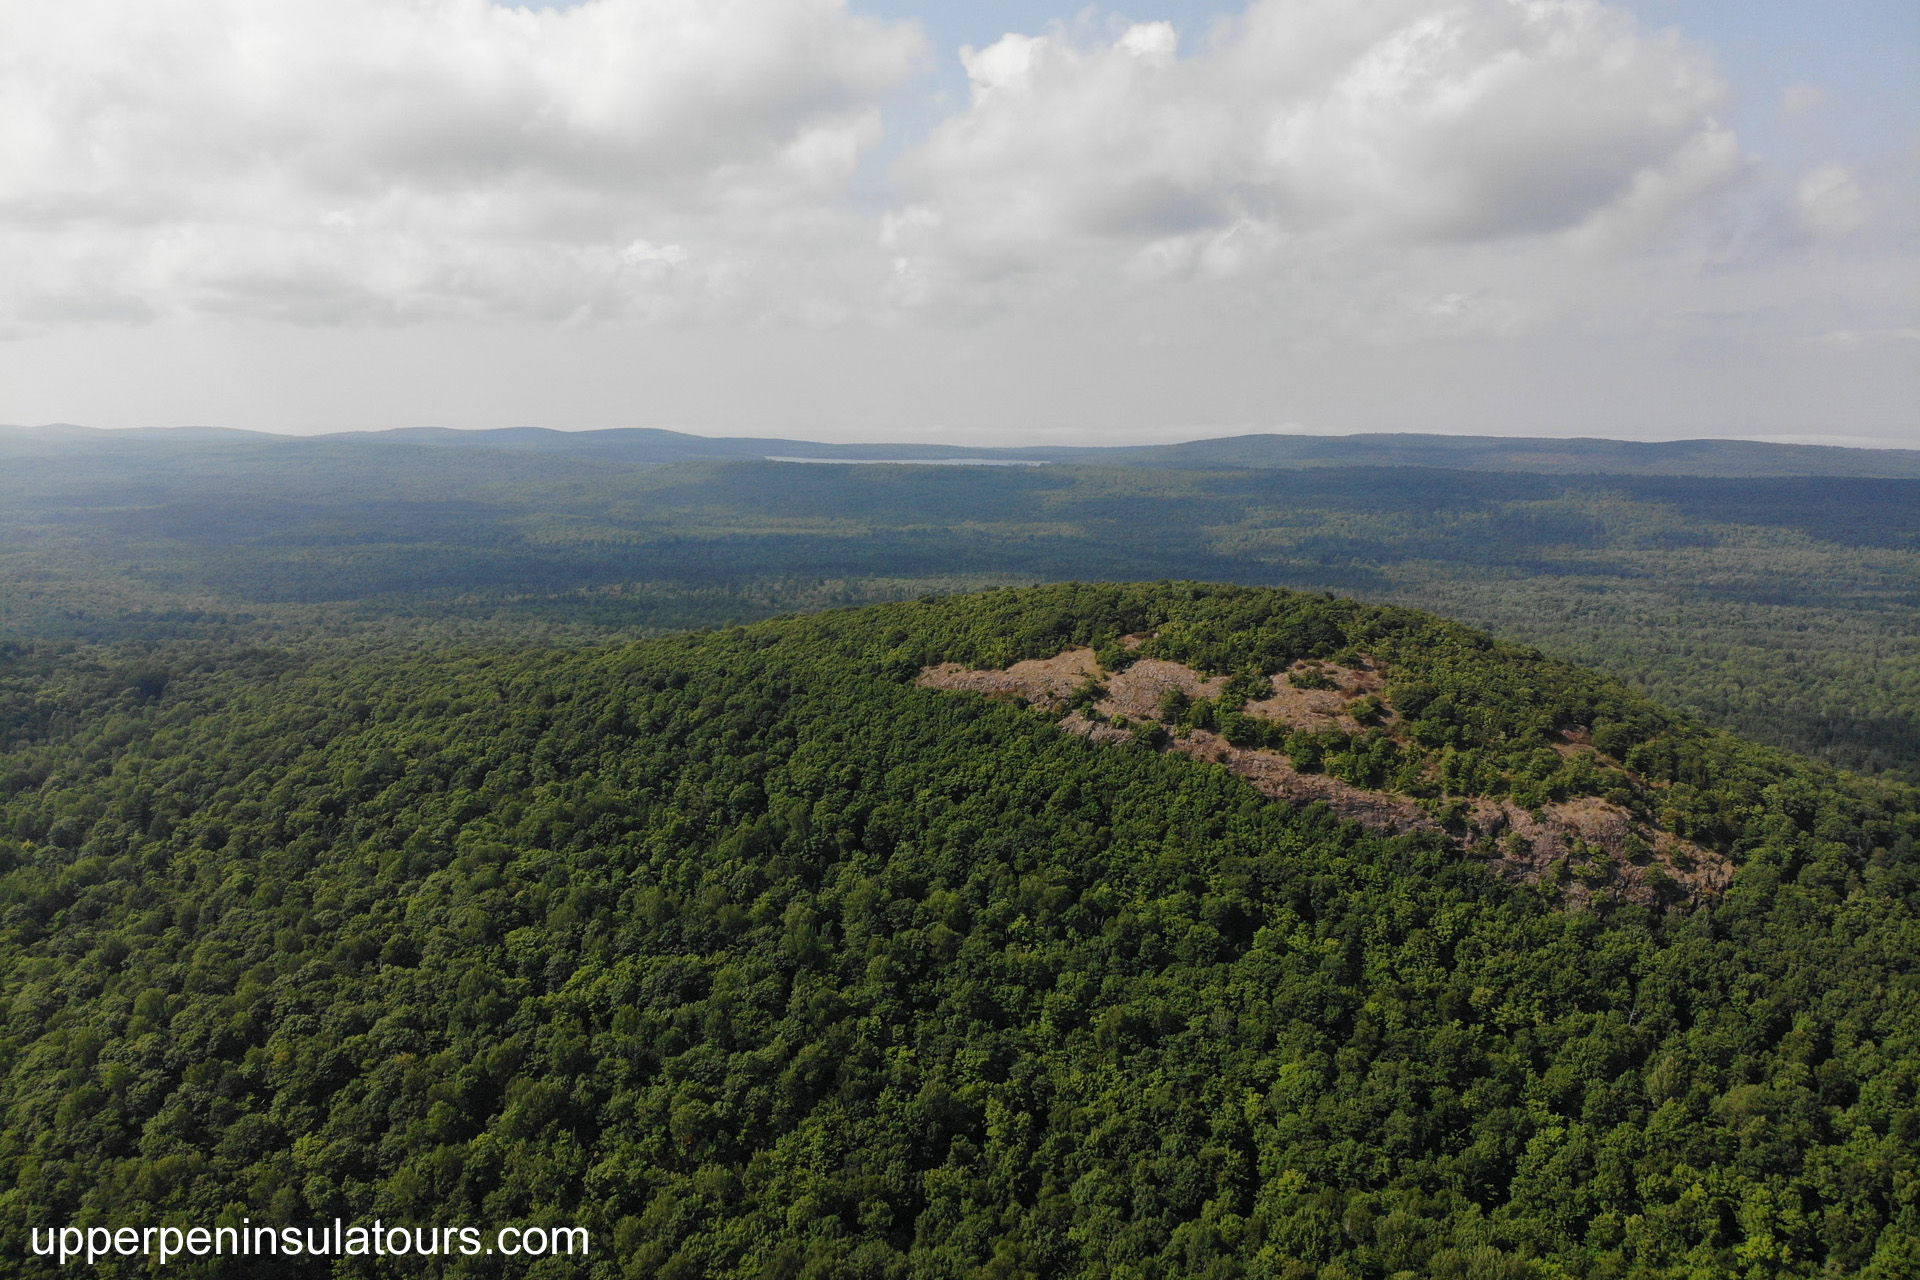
760	957
1785	608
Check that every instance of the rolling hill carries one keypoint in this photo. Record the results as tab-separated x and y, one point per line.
651	445
1785	608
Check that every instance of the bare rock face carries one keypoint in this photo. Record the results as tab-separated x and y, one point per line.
1139	692
1591	847
1319	695
1585	847
1272	774
1045	682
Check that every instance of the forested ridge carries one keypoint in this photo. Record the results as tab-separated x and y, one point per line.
1784	608
760	960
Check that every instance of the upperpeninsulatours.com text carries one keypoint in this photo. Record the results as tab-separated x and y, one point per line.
319	1240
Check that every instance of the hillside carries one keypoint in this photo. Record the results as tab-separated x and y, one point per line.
1156	930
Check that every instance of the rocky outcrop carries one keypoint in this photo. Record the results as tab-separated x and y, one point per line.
1588	846
1585	847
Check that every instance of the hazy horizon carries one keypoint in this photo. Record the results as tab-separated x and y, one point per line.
1014	438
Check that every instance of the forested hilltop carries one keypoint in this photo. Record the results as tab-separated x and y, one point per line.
839	945
1785	608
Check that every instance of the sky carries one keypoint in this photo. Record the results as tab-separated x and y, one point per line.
998	222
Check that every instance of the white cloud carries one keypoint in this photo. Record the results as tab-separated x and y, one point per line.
642	252
327	159
1311	176
1477	314
1830	202
1660	194
1306	124
1800	99
1851	338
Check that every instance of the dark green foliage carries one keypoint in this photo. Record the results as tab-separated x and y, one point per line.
760	961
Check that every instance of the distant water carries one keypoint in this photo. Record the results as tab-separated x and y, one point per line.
915	462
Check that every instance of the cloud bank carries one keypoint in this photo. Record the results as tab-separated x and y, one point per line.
1396	121
762	215
329	160
348	160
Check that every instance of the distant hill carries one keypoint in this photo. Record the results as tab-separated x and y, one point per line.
1539	455
1723	458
